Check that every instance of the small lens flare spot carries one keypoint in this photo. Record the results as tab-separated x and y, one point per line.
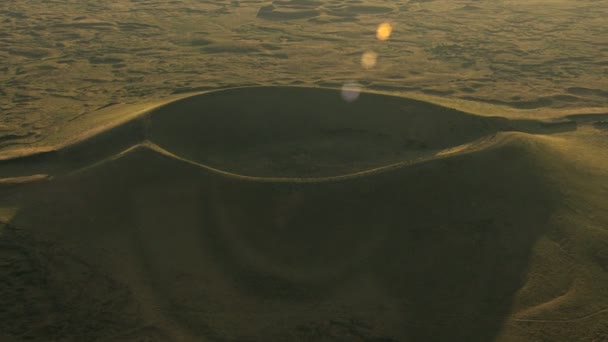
351	91
384	30
6	215
369	59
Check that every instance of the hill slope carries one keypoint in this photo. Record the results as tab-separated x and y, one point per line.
493	236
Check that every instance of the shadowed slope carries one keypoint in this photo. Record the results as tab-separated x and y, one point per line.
309	132
477	237
281	132
392	255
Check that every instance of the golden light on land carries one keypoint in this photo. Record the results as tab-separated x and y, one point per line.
384	30
369	59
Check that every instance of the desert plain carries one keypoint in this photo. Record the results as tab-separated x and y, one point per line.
199	170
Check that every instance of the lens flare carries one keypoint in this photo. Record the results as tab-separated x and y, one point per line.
369	59
351	91
6	215
384	30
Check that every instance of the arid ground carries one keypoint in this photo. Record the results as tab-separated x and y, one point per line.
273	171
